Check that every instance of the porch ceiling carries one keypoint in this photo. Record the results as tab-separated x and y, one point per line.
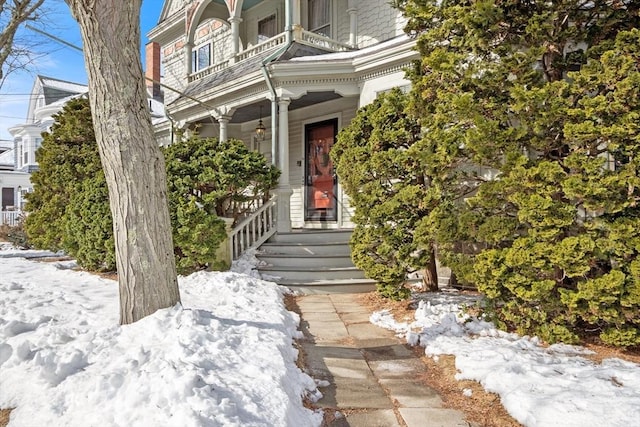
252	112
247	4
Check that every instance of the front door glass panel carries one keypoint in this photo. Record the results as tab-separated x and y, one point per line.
320	177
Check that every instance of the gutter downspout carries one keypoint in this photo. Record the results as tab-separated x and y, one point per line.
267	78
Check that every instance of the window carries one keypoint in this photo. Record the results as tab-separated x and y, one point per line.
201	57
266	28
319	18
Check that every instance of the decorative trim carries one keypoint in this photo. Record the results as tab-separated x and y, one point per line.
384	72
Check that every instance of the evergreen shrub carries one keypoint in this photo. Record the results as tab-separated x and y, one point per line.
69	207
534	143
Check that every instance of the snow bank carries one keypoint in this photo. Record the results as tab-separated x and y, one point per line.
538	386
224	359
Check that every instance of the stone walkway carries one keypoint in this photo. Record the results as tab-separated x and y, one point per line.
373	377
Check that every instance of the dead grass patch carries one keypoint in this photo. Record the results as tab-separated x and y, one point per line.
4	416
481	408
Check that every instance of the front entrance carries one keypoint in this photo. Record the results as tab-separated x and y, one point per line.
320	178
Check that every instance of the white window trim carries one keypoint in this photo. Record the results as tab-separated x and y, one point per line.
195	56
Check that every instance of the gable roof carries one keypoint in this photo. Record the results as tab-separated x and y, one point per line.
55	89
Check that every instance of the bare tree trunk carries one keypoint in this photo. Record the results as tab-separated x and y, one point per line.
430	278
132	161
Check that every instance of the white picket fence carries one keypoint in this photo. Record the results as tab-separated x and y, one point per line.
10	218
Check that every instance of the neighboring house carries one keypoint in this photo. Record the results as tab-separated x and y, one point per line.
48	96
294	70
18	157
13	184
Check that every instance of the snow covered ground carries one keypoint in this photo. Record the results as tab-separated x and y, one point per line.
539	386
223	358
226	356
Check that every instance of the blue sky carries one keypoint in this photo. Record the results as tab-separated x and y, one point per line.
57	61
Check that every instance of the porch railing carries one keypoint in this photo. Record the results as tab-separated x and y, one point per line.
315	39
300	35
262	47
255	229
10	218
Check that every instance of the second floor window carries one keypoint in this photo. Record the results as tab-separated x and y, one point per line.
266	28
319	18
201	57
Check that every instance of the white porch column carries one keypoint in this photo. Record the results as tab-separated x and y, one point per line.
353	27
223	121
295	13
188	47
235	33
284	189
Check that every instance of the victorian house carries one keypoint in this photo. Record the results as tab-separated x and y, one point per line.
48	96
284	76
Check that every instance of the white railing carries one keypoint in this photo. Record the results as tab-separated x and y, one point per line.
299	35
261	47
10	218
315	39
255	229
209	70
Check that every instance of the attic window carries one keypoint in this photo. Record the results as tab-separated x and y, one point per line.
319	18
266	28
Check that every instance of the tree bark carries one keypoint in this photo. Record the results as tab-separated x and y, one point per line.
430	278
131	158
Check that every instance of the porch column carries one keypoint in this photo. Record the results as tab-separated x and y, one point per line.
353	26
295	12
284	189
187	58
223	121
235	33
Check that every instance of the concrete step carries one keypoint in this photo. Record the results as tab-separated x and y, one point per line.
330	286
293	249
312	236
306	274
306	260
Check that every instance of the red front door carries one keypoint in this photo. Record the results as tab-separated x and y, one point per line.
320	177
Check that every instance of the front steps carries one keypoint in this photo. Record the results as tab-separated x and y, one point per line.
312	262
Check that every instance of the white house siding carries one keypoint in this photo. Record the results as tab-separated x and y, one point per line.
375	85
175	72
377	22
342	21
15	180
176	5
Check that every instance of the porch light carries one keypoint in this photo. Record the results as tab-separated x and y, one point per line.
260	129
